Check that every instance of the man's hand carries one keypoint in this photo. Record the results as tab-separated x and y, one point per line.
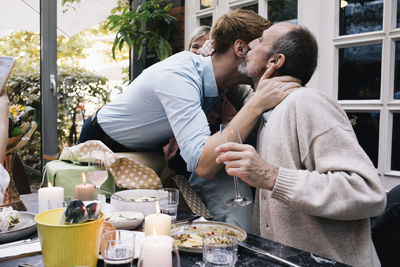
244	162
271	91
207	49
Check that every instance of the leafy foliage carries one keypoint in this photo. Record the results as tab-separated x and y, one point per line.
149	25
75	87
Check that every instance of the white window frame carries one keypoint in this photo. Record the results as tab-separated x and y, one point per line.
321	17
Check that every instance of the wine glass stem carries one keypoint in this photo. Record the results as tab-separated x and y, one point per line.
236	183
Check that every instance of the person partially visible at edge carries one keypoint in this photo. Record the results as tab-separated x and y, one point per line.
198	38
173	97
4	113
317	188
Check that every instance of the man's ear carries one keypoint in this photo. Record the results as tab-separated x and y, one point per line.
277	59
240	47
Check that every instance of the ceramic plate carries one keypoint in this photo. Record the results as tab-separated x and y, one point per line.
207	227
26	226
125	219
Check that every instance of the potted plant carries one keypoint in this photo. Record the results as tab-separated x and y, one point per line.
149	27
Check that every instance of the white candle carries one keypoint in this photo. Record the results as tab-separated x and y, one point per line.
84	191
46	194
157	251
158	223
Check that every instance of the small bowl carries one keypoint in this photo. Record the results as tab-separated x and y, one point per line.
125	219
128	203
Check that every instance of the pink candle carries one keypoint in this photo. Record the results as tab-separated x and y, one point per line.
84	191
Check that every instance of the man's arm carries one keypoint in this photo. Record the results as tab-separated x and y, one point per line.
4	103
268	94
350	190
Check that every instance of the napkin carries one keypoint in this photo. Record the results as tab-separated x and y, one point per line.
20	249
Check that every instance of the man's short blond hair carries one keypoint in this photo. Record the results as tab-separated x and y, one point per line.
241	24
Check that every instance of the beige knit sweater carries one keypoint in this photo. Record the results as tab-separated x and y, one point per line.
327	188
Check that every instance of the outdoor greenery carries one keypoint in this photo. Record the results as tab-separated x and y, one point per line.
76	86
148	26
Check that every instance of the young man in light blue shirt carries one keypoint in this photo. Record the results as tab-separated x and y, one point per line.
173	97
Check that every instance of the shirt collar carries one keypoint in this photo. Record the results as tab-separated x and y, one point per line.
209	82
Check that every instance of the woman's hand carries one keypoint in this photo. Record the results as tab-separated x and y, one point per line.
207	49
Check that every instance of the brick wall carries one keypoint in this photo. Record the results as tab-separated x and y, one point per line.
178	36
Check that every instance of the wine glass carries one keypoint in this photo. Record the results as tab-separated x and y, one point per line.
98	168
238	200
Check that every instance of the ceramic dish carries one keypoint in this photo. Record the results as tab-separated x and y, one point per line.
126	201
125	219
24	227
199	229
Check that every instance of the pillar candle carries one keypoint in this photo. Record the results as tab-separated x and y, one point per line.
84	191
46	194
159	224
156	251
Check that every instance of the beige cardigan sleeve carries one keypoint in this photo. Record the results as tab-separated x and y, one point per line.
338	180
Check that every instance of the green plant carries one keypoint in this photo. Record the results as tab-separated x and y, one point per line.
75	87
149	25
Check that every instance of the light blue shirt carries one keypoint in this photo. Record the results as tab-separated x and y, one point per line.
170	98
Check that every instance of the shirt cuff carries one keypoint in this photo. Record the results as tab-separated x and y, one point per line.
284	185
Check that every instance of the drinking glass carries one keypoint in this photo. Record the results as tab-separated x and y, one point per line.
117	248
97	168
159	251
238	200
219	250
168	198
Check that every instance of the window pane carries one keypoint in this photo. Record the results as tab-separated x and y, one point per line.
252	7
360	16
360	72
396	94
207	21
206	4
396	142
282	10
366	127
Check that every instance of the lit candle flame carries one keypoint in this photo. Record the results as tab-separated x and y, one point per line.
83	178
49	184
157	208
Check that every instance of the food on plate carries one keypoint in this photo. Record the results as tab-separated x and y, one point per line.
192	237
143	199
125	219
8	218
122	216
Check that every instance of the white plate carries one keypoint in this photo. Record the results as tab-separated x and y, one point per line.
24	227
125	219
202	227
147	207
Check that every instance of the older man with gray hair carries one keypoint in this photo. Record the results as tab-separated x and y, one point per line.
316	187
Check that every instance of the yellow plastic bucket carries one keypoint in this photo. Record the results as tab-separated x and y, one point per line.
68	245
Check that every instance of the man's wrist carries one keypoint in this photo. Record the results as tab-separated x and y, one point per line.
271	174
